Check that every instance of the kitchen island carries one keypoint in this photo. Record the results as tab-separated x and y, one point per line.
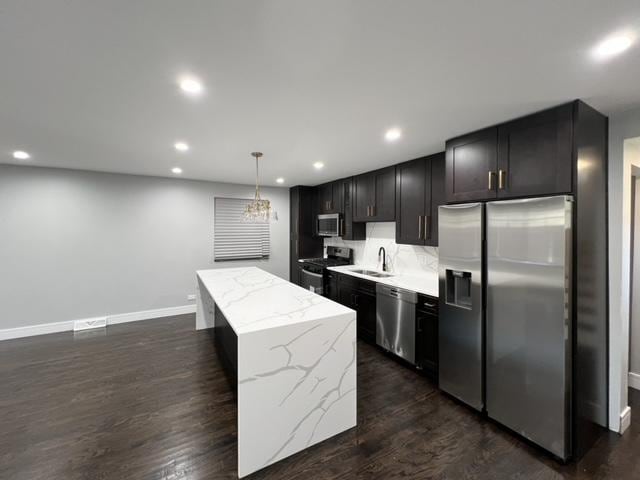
292	355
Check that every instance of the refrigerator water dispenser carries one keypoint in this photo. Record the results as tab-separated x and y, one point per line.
458	287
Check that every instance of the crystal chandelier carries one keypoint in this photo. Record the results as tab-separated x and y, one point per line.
258	210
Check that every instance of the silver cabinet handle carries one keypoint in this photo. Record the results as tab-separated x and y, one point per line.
491	174
419	227
501	179
430	305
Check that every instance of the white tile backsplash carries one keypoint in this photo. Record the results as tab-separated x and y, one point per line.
401	259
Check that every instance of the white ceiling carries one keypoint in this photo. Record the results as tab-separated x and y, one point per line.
92	84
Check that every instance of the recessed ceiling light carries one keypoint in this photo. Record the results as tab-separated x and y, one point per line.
613	45
318	165
392	134
176	170
279	180
191	85
181	146
20	155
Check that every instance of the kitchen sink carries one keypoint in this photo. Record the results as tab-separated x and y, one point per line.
372	273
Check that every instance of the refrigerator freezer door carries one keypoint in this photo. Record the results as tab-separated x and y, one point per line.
528	378
461	322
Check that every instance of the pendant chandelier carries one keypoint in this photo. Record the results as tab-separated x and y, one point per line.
258	210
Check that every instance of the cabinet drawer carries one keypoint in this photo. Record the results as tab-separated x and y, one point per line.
428	304
365	286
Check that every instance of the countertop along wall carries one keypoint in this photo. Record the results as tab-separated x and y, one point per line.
401	259
78	244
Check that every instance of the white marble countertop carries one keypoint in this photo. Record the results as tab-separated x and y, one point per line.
426	283
252	299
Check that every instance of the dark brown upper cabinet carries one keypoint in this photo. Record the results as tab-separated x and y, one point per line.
350	230
419	193
534	154
471	166
330	197
375	196
525	157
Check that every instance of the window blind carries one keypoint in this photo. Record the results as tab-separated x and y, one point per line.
233	237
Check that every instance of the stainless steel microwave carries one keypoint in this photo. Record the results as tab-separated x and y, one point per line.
329	225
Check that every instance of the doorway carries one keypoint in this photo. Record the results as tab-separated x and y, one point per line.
634	280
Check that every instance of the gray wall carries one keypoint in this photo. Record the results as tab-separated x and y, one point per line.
77	244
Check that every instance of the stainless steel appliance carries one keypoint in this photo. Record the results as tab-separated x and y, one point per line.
396	321
329	225
526	270
529	284
461	325
312	269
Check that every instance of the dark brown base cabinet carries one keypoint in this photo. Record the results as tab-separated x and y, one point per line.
359	295
427	335
303	243
526	157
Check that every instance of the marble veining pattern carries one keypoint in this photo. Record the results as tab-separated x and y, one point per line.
412	260
414	267
252	299
296	366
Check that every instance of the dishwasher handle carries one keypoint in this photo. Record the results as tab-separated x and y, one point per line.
395	292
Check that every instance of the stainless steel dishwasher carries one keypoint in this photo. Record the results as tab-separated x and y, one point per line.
396	321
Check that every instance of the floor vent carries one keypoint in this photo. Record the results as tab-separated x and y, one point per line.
88	323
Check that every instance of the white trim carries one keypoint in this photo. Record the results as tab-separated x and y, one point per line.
625	419
634	380
89	323
67	326
31	330
149	314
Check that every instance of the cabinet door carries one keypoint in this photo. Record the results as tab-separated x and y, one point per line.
535	153
337	197
384	203
350	230
366	316
427	341
331	285
325	197
364	197
471	166
436	180
346	295
412	191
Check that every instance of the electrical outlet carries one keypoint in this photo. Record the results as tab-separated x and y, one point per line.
191	298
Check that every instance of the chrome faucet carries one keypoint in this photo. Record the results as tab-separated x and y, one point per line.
384	258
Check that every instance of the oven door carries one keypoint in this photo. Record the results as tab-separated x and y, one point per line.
311	280
329	225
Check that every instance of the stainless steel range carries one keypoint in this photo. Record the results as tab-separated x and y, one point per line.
312	269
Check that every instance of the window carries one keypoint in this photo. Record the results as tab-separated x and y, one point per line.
235	239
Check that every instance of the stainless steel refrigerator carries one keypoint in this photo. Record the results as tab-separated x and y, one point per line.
505	314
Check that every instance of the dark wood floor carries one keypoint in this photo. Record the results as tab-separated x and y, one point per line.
149	400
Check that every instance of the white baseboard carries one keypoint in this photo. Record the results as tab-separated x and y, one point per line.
67	326
634	380
149	314
625	419
31	330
